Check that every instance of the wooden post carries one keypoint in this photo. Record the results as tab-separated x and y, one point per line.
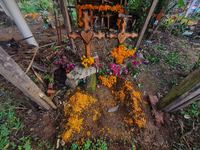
66	21
189	85
143	29
76	4
102	19
13	73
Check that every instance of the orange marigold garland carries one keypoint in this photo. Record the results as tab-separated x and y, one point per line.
116	8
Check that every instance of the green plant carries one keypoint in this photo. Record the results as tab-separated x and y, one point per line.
8	122
193	110
65	41
33	6
40	144
54	48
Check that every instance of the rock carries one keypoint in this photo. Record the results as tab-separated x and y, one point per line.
113	109
140	55
81	73
158	114
91	83
71	83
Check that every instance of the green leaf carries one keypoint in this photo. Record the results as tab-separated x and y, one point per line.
65	41
54	48
181	3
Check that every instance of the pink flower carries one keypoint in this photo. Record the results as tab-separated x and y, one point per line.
135	66
141	69
124	60
110	73
55	63
125	71
72	66
146	62
96	65
134	62
140	63
98	86
133	56
139	57
105	73
100	65
115	72
113	67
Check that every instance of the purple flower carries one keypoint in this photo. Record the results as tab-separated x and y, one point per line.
141	69
135	66
146	62
136	73
140	63
124	60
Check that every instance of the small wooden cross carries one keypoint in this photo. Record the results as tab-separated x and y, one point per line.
122	35
87	35
108	19
92	18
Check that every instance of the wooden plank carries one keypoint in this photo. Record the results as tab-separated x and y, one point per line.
183	98
13	73
185	85
66	21
142	31
194	99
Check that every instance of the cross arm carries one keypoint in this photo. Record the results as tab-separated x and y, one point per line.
112	35
74	35
99	35
132	35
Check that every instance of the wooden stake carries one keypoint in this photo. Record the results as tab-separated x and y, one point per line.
143	29
13	73
66	21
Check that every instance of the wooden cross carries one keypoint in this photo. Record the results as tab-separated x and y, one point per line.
87	35
121	36
92	18
108	18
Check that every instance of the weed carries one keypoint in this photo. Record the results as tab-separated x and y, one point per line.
40	144
47	77
8	122
54	48
193	110
65	41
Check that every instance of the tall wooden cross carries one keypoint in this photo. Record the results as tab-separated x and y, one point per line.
122	35
87	35
108	19
92	18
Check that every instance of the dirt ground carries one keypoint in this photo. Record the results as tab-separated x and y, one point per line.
156	80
